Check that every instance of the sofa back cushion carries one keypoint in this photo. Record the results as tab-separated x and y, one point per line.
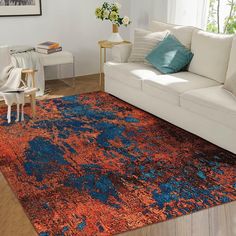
230	83
144	42
211	54
182	33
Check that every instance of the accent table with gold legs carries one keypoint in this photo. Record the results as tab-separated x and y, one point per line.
104	44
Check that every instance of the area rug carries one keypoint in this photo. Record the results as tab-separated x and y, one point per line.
94	165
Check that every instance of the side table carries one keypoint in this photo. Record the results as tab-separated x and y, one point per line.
104	45
58	59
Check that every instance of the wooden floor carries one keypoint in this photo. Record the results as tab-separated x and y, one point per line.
217	221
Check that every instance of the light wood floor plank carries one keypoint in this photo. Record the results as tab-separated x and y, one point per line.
13	220
230	211
217	220
200	223
184	226
167	228
163	229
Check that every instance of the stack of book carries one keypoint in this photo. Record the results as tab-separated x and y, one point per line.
48	47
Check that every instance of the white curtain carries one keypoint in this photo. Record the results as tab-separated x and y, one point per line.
188	12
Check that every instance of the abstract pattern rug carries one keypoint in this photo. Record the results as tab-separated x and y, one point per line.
94	165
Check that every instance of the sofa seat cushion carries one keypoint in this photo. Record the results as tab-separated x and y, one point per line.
214	103
170	87
131	74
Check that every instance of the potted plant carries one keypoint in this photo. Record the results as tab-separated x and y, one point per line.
111	12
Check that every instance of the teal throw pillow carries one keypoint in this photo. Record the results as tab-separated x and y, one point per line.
170	56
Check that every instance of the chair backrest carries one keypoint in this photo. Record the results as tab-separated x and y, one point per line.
5	58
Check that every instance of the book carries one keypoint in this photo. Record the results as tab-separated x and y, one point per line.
48	45
48	51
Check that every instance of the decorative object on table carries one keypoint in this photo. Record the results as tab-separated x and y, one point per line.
49	51
116	168
20	8
111	12
104	44
48	47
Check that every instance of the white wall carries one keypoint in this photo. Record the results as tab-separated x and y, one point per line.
159	10
70	22
142	12
73	24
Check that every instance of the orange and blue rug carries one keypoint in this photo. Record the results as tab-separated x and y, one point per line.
94	165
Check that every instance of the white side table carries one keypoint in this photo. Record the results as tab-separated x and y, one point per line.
57	59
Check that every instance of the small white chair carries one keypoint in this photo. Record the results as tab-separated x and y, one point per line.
30	92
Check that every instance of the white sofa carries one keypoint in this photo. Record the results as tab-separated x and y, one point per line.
194	100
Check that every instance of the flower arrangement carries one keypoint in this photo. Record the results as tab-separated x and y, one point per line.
110	11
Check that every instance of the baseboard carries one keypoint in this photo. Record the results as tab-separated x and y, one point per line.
91	76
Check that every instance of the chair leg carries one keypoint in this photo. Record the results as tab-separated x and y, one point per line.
33	105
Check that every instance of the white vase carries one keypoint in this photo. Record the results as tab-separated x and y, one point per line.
115	36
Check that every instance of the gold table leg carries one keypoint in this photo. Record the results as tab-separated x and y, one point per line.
103	59
101	69
105	55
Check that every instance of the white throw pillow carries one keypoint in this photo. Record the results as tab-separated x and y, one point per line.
230	83
182	33
211	55
144	42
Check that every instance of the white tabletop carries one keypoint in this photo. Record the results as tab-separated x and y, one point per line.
58	58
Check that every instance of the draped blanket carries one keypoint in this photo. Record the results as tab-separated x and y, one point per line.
26	58
10	78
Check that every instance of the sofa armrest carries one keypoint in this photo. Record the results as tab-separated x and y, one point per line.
121	53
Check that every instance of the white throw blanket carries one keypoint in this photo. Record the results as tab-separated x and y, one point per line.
27	58
10	80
